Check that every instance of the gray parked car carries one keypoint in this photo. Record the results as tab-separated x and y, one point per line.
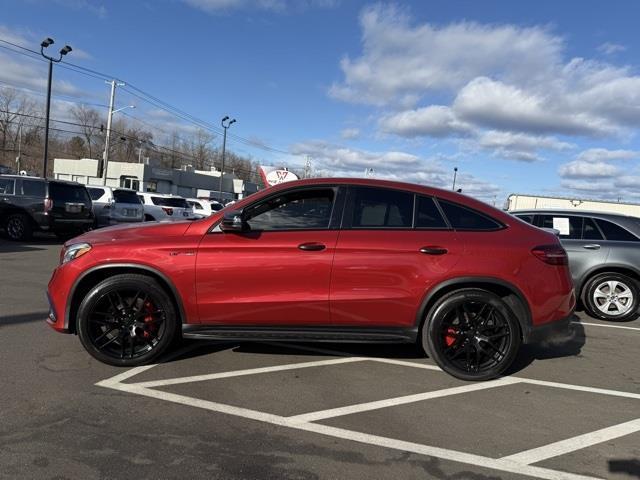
112	206
604	256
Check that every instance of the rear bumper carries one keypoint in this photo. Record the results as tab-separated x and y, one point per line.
553	330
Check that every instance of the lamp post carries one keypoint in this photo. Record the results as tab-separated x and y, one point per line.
224	145
455	173
63	51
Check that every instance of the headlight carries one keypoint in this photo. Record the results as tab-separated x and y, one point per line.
74	251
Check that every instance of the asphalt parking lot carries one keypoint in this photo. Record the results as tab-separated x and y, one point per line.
570	409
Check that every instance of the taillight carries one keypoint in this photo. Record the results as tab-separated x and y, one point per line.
167	210
48	205
551	254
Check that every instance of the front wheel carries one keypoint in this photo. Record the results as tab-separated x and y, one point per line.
127	320
612	296
471	334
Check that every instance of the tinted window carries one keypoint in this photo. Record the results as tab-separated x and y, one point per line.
590	231
382	208
428	215
175	202
33	188
308	209
462	218
216	206
569	227
614	232
7	186
526	218
125	196
62	192
95	193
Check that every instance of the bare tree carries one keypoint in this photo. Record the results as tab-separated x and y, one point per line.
88	120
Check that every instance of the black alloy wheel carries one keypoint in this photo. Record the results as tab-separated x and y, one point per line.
127	320
18	227
472	334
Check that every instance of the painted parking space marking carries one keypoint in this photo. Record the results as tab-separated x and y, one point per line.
518	463
637	329
575	443
394	402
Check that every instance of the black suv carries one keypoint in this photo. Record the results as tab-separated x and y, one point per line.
32	203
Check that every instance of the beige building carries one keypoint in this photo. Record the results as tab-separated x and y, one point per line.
517	201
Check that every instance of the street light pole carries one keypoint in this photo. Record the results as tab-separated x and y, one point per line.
455	173
224	146
63	51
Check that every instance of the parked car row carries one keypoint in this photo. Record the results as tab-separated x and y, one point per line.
29	204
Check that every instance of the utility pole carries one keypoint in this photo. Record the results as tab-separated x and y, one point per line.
307	167
224	146
19	157
105	155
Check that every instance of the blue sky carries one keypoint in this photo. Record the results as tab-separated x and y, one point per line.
537	97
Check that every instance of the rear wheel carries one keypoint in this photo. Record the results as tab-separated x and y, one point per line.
612	296
127	320
18	227
471	334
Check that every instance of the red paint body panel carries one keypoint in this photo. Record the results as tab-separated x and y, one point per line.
373	278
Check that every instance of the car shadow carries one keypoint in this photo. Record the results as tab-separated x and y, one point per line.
568	345
629	467
23	318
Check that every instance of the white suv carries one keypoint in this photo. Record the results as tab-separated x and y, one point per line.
112	206
204	208
161	207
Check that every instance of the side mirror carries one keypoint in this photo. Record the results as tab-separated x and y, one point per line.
233	221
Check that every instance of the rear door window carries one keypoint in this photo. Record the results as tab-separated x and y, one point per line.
381	208
428	215
125	196
33	188
590	231
95	193
175	202
462	218
7	186
615	232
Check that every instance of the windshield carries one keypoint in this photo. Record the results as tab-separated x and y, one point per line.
176	202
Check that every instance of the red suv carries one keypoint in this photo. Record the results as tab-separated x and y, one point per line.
339	260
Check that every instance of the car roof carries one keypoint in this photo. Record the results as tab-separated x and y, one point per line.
561	211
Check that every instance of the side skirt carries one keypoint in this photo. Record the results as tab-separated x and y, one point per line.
301	334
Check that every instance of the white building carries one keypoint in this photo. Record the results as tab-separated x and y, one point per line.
516	201
149	178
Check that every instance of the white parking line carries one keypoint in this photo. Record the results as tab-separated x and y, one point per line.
250	371
569	445
607	326
393	402
568	386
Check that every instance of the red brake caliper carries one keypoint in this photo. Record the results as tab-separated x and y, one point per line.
450	336
150	327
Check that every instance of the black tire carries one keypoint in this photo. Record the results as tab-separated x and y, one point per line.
18	227
620	304
471	334
130	314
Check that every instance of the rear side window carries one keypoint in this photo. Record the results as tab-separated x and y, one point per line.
428	215
462	218
526	218
95	193
125	196
590	231
170	202
614	232
7	186
33	188
62	192
569	227
381	208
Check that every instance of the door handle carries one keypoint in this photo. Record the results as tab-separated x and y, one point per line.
433	250
312	247
592	246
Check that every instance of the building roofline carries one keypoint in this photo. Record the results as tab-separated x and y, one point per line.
573	198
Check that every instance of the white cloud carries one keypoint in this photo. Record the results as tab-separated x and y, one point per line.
602	155
350	133
216	6
432	121
519	146
609	48
582	169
